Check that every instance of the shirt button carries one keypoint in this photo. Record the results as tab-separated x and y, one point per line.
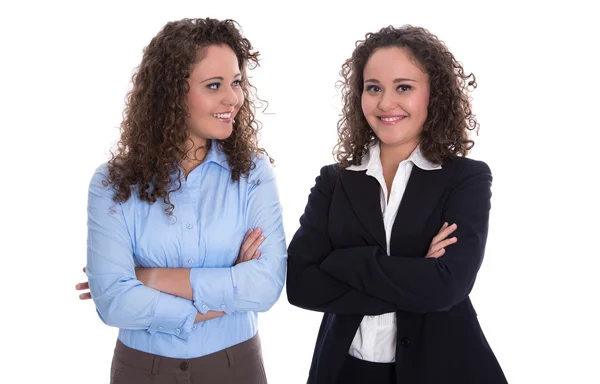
205	307
160	328
189	226
177	331
183	366
191	261
223	307
195	326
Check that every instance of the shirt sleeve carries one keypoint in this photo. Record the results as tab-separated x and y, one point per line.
254	285
121	300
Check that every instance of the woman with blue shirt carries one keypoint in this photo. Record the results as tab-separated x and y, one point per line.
185	235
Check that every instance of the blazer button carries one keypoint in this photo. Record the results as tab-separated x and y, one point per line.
405	342
183	366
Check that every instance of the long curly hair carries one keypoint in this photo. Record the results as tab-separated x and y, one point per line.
445	133
153	130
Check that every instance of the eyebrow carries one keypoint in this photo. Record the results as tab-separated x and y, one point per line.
398	80
219	78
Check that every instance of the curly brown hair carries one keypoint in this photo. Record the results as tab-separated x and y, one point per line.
445	133
153	130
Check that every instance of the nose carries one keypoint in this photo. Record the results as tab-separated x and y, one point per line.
230	97
386	102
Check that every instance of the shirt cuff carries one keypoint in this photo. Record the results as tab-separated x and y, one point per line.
213	289
168	315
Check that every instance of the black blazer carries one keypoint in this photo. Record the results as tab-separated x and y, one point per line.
338	264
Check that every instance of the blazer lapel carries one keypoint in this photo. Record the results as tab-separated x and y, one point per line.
421	196
364	195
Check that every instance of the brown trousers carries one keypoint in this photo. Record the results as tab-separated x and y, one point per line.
241	363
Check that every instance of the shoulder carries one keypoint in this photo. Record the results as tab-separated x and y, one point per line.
328	177
100	185
331	171
465	168
261	173
261	161
262	166
101	192
100	176
466	174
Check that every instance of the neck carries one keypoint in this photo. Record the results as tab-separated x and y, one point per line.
393	155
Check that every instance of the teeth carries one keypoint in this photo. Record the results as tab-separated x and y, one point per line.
390	119
222	115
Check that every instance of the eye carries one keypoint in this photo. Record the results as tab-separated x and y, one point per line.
404	87
213	86
237	83
372	88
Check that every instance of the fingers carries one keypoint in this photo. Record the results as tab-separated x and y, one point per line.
436	254
434	248
251	236
82	286
444	232
85	296
441	240
253	249
247	235
445	243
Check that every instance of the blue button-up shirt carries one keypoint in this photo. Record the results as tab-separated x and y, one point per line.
211	217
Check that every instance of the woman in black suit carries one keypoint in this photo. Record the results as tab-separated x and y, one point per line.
394	233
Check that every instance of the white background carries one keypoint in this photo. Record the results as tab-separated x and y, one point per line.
64	72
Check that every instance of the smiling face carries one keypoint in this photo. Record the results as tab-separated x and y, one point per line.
395	97
215	95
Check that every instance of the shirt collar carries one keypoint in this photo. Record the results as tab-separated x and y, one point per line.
216	155
371	161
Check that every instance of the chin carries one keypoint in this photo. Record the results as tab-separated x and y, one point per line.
389	138
223	135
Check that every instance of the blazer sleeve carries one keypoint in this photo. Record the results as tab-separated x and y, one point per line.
426	285
307	285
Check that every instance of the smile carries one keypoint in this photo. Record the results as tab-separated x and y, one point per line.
223	116
391	119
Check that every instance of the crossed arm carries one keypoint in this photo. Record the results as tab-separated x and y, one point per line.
176	281
171	300
364	280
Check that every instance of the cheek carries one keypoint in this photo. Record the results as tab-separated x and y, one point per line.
198	105
419	104
367	104
240	96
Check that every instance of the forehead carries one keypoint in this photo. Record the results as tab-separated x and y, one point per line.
216	60
391	63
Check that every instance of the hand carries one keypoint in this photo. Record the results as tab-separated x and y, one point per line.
83	287
209	316
440	241
249	249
